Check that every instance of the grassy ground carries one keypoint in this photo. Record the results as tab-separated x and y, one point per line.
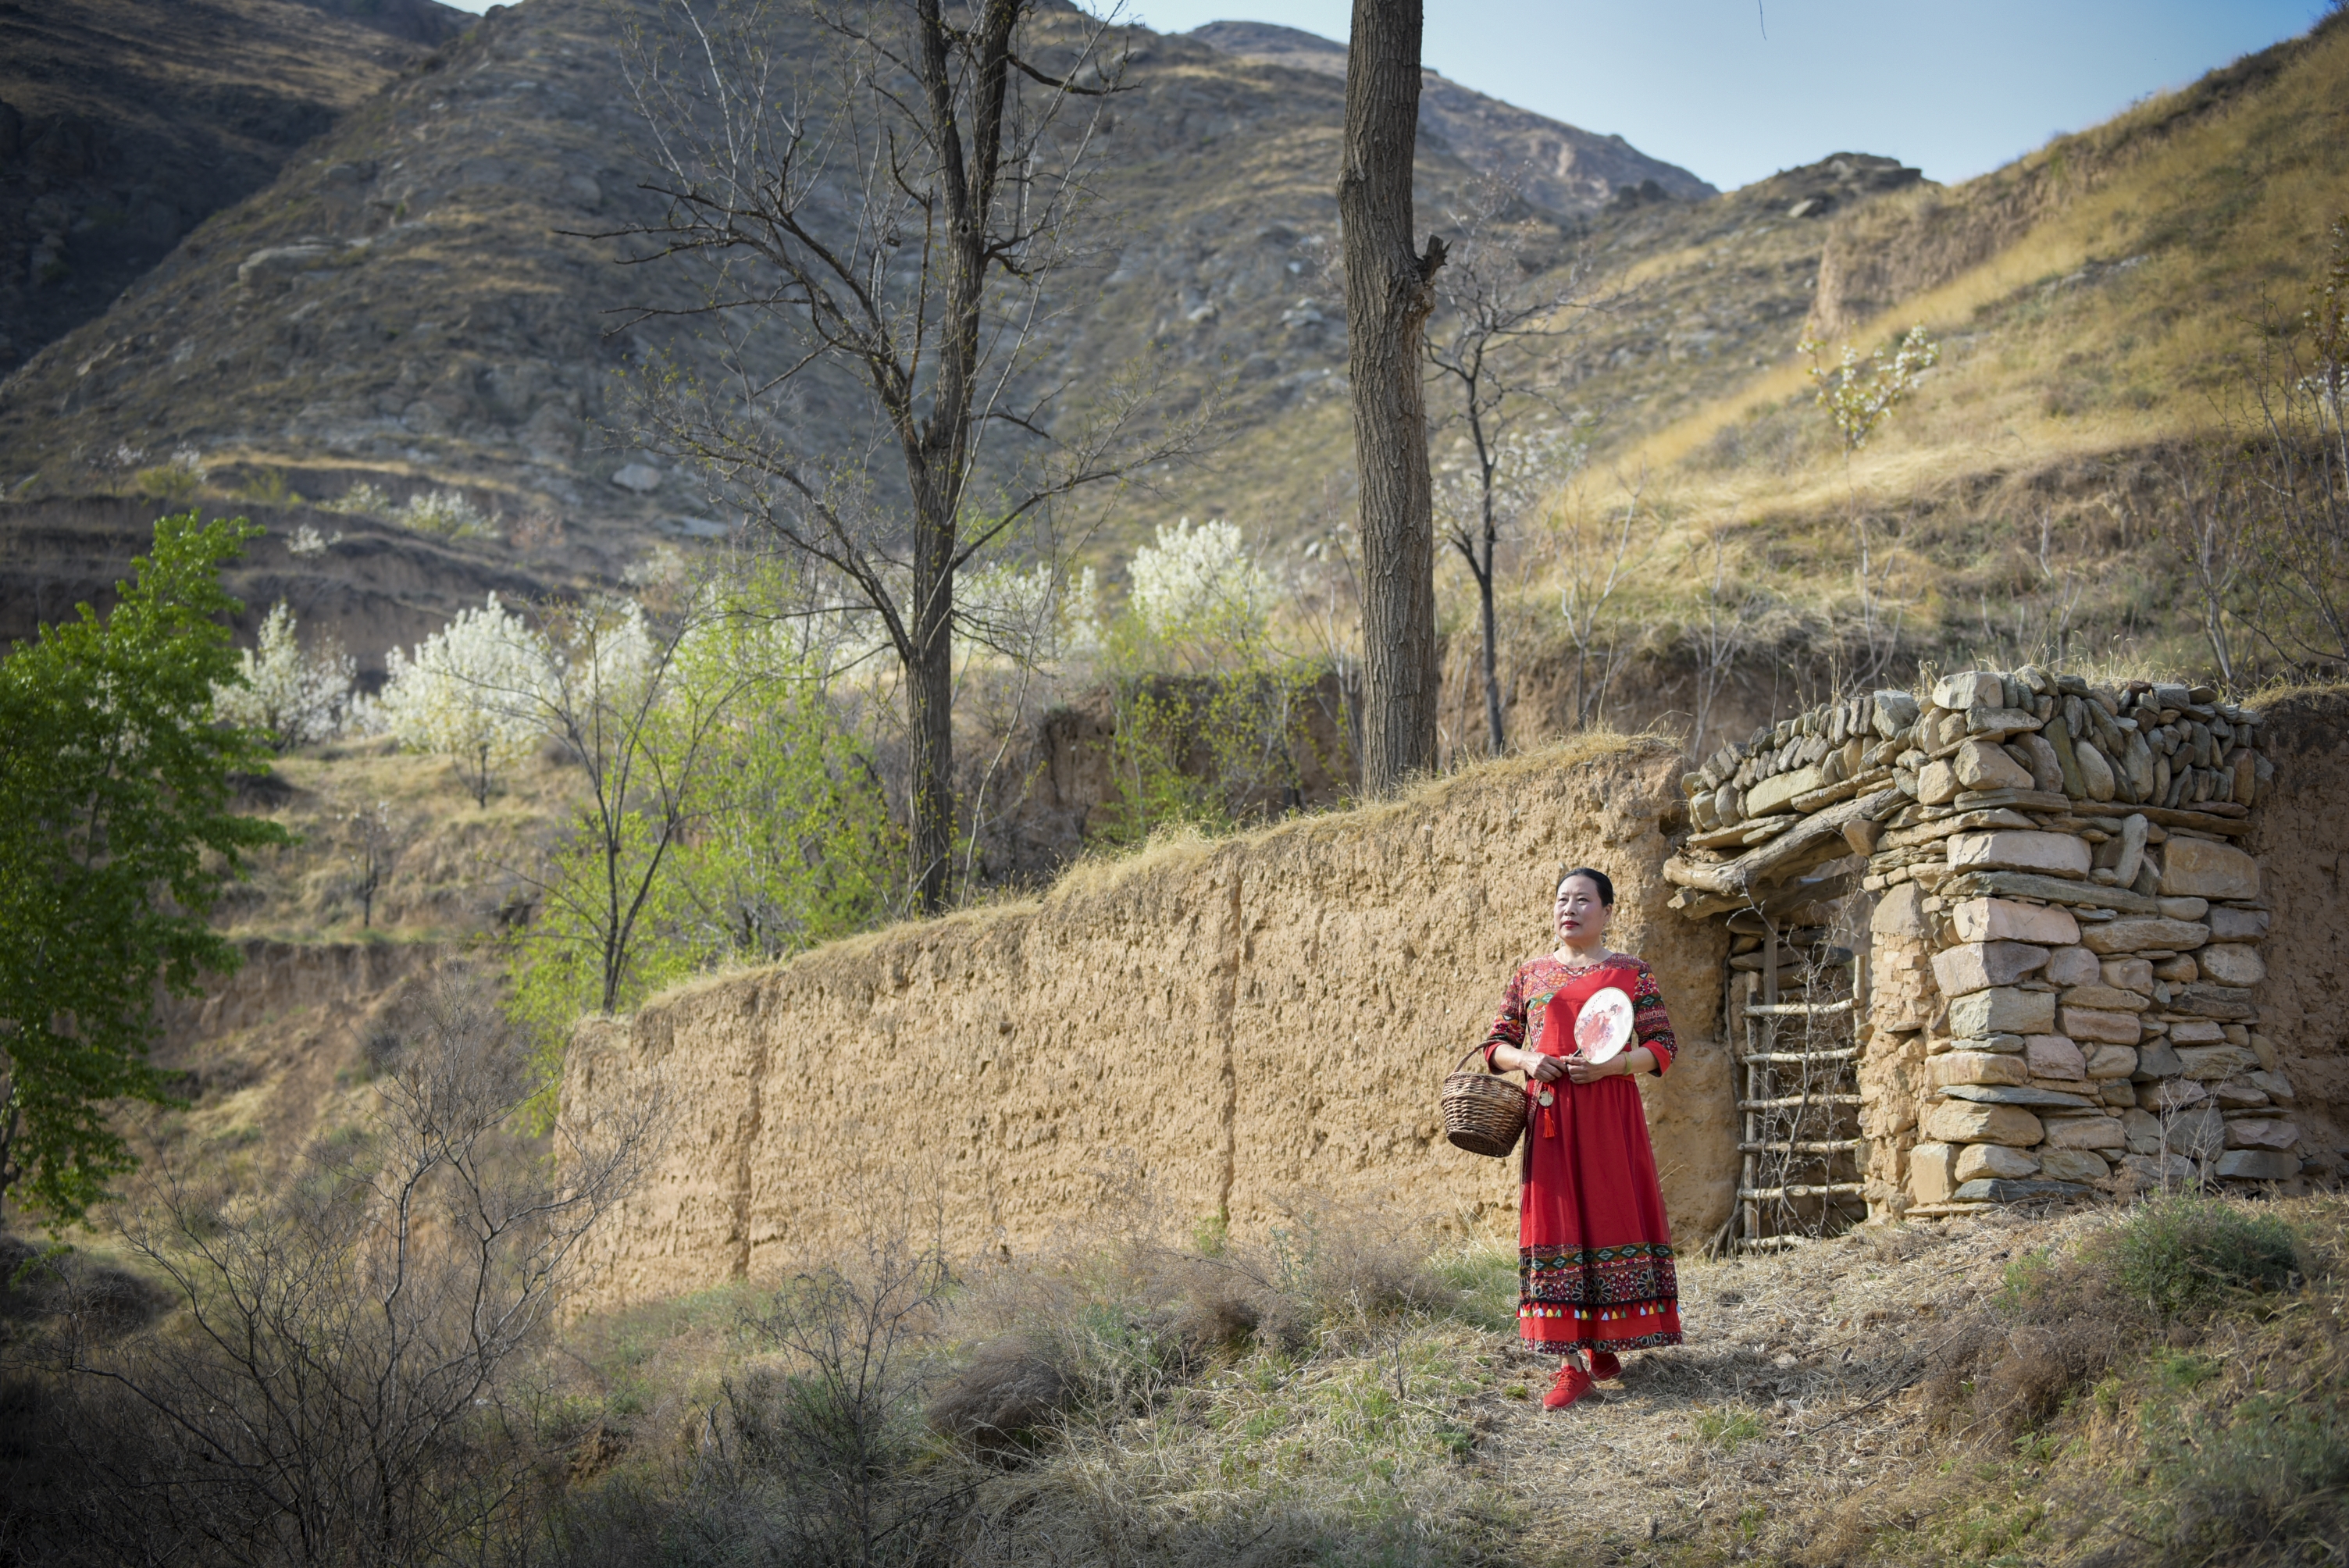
450	865
2104	1387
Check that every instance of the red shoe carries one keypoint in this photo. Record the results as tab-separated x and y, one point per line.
1572	1384
1604	1366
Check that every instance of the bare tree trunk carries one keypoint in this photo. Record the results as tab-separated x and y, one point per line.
929	707
1494	736
1388	298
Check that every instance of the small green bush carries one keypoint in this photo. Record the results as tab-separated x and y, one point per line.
2264	1480
2186	1255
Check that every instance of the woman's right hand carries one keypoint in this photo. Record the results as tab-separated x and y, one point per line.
1535	1066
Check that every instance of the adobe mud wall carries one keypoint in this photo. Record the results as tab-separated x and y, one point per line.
1232	1022
2300	835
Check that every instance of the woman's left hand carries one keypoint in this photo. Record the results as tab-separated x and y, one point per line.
1638	1060
1582	1071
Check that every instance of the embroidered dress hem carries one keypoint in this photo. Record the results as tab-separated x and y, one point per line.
1599	1298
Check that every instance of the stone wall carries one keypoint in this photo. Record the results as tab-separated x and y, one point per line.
2067	944
1234	1024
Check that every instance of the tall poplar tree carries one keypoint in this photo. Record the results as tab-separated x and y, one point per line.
1389	292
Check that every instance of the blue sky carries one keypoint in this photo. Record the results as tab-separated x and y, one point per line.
1956	86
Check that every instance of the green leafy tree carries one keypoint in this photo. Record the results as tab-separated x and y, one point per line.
730	817
1212	716
116	837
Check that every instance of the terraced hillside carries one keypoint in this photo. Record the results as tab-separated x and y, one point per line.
125	123
411	298
410	304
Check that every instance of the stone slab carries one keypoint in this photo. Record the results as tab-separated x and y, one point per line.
1773	792
1984	765
2255	1132
1976	1159
2231	964
2077	966
1979	965
1962	1121
2237	924
2111	1062
2272	1084
2138	933
2251	1165
2227	1003
2209	1064
2107	998
1986	1043
2073	1165
2087	1132
2003	1010
2148	1169
2198	1131
2055	855
2198	868
1930	1178
1992	1189
2104	1027
1970	688
1998	723
2055	1057
2016	1094
1976	1068
2004	920
2054	890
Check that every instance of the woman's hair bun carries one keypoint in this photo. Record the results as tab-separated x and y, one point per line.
1599	879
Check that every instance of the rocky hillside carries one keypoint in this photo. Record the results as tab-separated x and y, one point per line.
410	303
125	123
1560	167
409	297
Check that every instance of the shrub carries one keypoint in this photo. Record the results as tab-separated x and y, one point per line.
448	514
362	499
2183	1256
2263	1480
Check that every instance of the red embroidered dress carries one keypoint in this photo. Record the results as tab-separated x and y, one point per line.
1594	1248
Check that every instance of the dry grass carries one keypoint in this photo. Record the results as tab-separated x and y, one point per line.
453	862
1949	1391
2109	334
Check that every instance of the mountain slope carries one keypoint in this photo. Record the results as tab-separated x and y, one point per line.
405	303
1559	166
124	123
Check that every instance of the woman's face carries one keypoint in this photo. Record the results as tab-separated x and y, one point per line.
1579	916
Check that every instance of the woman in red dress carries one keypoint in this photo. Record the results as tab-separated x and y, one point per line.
1594	1248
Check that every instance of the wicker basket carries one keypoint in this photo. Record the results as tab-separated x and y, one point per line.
1483	1113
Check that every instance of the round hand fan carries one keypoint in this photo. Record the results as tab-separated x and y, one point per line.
1603	1028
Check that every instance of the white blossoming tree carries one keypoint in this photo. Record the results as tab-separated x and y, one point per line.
1210	716
470	692
292	697
1199	594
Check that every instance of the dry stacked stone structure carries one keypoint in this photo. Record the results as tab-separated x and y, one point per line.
2063	937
